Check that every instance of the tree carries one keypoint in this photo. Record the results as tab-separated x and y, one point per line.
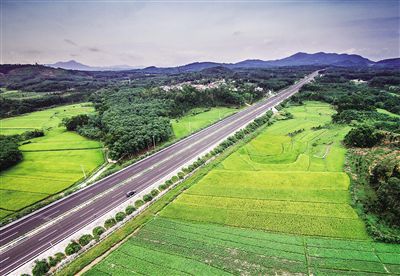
9	152
41	268
98	231
120	216
72	248
363	136
85	239
110	223
130	209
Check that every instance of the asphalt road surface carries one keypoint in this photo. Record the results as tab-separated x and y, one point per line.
144	174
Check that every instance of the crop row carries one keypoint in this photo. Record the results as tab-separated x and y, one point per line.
272	206
286	223
229	258
205	242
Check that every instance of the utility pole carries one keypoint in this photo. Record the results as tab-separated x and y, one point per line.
83	170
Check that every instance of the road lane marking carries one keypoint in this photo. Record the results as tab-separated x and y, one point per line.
4	260
84	214
47	235
86	196
53	213
117	195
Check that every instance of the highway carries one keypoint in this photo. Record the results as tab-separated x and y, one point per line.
144	173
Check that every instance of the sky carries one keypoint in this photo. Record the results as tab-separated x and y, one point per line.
170	33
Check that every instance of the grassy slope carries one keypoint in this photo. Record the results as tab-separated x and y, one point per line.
295	189
50	163
198	119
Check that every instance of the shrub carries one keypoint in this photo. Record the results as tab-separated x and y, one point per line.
59	256
147	197
98	231
110	223
174	179
52	261
181	175
85	239
41	267
162	187
130	209
120	216
168	182
154	192
72	248
139	203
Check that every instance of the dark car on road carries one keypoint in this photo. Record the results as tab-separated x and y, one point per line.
130	193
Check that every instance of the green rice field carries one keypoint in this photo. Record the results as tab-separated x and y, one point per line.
50	163
280	205
198	118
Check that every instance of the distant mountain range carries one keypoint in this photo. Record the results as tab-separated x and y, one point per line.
74	65
299	59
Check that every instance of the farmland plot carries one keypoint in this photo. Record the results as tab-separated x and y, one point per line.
280	205
50	163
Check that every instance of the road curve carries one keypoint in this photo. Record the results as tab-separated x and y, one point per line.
144	172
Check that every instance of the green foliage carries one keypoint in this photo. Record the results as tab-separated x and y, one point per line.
59	256
120	216
72	123
110	223
85	239
363	136
154	192
41	268
385	181
98	231
72	248
162	187
9	152
130	209
181	175
147	197
139	203
52	261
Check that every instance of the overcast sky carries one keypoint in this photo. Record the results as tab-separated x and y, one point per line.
167	33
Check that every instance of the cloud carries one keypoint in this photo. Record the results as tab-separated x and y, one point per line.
94	49
236	33
69	41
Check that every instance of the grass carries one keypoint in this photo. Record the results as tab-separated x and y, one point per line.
384	111
48	119
50	163
20	95
199	118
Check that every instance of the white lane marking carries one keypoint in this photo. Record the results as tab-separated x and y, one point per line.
117	195
86	196
4	260
47	235
9	235
53	213
86	212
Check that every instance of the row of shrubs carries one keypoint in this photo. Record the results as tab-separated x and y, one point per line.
43	266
